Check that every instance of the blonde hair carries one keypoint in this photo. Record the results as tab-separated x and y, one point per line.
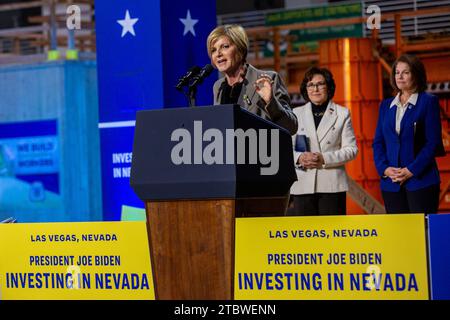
237	36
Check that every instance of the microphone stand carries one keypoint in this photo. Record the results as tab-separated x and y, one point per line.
197	79
191	96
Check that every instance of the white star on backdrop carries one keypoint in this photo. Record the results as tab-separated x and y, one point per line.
127	24
188	24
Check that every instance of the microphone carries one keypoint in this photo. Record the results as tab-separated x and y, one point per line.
198	79
184	80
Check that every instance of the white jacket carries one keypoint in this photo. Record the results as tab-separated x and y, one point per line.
335	139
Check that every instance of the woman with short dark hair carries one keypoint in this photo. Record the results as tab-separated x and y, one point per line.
407	140
328	77
328	143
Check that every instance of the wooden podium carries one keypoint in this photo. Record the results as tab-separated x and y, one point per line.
191	208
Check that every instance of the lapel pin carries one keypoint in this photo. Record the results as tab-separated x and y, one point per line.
247	100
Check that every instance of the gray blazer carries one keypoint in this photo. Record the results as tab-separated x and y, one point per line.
279	108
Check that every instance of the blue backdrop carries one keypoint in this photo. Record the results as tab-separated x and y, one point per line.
29	170
439	251
143	47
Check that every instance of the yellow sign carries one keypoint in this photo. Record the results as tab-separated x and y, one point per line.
65	261
334	257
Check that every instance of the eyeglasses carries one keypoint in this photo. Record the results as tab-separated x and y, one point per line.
319	85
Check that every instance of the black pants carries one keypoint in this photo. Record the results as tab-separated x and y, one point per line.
424	200
318	204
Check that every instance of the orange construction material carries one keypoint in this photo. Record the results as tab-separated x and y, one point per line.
367	153
444	163
373	187
357	73
355	168
444	204
438	68
353	208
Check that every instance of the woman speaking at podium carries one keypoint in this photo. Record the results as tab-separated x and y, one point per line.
260	92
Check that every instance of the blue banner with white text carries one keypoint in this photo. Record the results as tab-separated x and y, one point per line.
143	48
116	166
29	170
185	28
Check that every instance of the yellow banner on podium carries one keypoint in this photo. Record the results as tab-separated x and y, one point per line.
66	261
333	257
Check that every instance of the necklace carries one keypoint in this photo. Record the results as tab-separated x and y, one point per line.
318	114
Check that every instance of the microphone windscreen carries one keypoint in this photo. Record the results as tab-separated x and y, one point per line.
207	70
194	70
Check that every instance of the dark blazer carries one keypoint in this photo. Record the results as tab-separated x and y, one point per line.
279	108
393	150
